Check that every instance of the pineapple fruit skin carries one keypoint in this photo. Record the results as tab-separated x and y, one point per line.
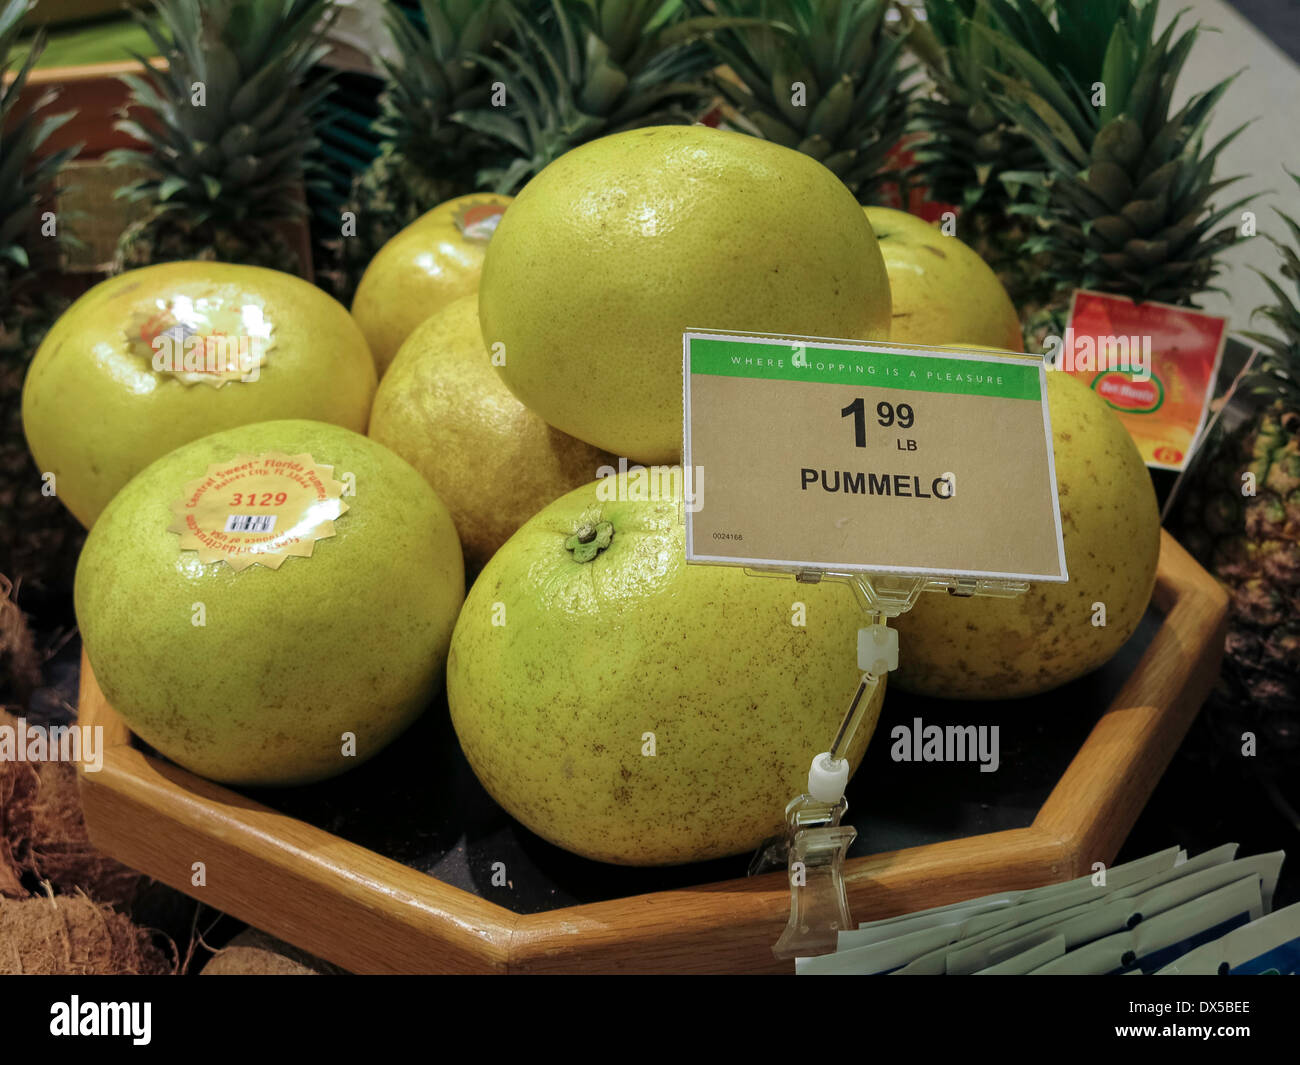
166	239
1239	514
1251	542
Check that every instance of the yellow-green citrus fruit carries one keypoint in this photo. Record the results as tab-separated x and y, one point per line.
619	246
430	263
984	648
259	676
494	462
102	400
633	709
943	292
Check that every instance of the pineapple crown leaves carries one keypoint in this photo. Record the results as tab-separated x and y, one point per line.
957	59
435	75
1126	205
1280	370
855	105
593	67
240	156
23	174
969	143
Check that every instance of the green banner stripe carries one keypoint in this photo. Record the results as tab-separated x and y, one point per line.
877	369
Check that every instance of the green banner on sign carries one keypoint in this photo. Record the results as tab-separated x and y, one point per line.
880	369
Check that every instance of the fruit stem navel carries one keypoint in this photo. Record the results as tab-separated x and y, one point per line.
590	540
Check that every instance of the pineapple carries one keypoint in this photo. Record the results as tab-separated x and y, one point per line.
1246	530
1124	195
587	68
38	539
822	76
229	129
424	158
971	152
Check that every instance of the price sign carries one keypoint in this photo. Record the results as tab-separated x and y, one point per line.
840	456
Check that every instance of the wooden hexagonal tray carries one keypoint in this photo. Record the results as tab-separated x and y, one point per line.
343	869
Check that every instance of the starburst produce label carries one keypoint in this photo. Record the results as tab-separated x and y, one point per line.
258	510
478	221
832	456
1155	365
213	339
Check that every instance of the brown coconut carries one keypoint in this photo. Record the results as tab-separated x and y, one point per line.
70	935
254	953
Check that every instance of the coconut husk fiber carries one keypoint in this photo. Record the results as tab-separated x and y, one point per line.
43	835
254	953
18	786
69	935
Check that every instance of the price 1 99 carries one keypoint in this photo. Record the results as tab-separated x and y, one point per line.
887	415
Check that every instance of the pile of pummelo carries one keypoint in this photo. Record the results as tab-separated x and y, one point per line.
269	597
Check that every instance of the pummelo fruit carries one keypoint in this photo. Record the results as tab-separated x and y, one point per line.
492	461
423	268
633	709
942	291
984	648
152	359
616	248
259	675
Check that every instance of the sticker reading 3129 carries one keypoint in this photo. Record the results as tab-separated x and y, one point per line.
840	456
258	510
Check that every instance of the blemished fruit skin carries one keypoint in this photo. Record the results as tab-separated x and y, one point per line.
352	639
619	246
492	461
419	271
635	709
987	648
96	412
942	291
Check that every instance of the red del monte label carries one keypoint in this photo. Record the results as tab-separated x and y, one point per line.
1153	363
1123	393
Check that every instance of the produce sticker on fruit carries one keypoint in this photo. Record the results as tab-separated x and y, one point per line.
840	455
258	509
213	339
1155	365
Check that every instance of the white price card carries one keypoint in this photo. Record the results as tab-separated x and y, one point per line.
832	455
